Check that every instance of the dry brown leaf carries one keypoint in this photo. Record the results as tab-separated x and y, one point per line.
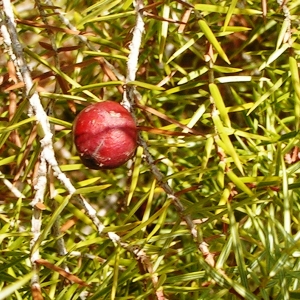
12	71
184	20
162	19
51	27
164	117
61	271
36	293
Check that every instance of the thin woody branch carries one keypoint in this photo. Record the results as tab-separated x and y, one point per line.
132	64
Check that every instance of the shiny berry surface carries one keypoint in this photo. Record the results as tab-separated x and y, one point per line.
105	135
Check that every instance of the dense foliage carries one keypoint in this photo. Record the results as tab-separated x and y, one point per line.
218	104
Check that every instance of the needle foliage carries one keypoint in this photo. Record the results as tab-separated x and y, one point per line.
218	105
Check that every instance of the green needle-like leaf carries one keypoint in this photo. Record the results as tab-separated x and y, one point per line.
212	39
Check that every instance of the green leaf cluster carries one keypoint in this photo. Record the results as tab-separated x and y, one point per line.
222	88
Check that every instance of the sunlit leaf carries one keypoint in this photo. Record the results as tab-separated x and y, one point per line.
212	39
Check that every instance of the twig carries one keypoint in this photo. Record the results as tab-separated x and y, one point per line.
47	157
84	40
287	15
11	187
132	64
202	245
145	265
14	49
36	222
128	99
61	248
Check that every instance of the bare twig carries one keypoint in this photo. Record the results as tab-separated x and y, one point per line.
61	248
202	245
11	187
14	49
47	157
132	64
287	16
128	99
36	222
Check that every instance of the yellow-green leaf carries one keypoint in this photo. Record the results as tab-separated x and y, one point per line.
92	189
218	100
212	39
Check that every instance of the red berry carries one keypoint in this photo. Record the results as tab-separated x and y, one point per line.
105	135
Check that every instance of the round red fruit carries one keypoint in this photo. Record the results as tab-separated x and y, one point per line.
105	135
